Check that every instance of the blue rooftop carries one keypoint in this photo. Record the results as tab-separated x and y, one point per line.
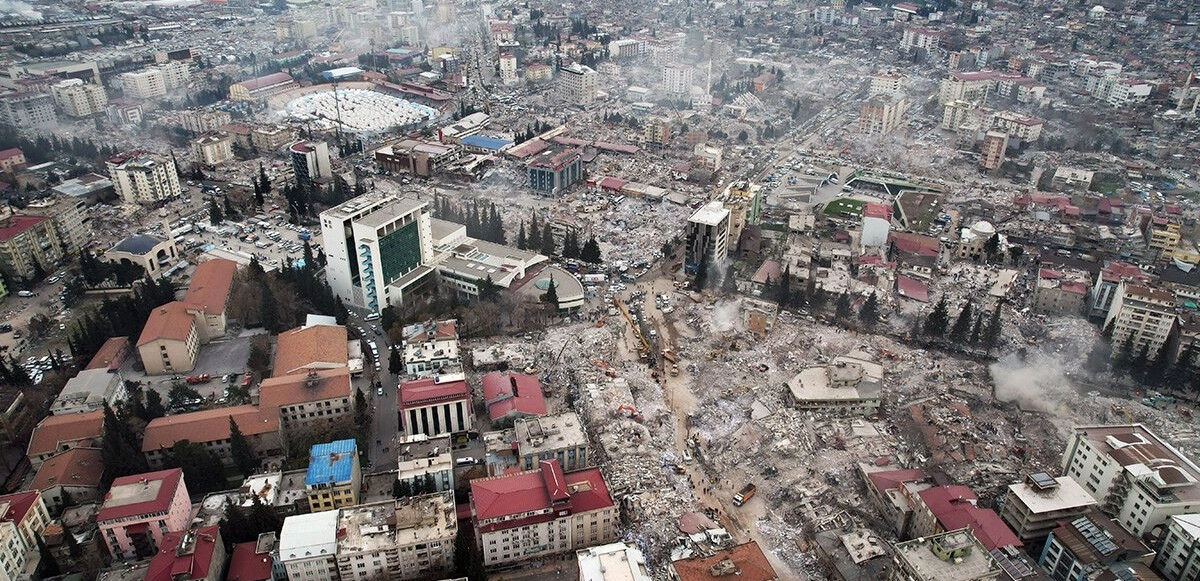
484	142
331	462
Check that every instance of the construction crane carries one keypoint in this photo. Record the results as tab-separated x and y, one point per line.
644	346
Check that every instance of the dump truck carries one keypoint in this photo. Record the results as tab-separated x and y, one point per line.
744	495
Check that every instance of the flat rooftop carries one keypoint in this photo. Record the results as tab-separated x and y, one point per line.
710	214
396	523
1068	494
974	563
852	377
390	212
419	454
535	435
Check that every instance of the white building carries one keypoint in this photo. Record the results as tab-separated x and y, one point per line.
707	236
141	177
1034	507
578	84
431	347
310	161
144	84
1178	556
881	114
886	83
398	540
212	149
308	546
422	459
1142	314
851	384
508	68
612	562
677	81
76	98
1138	479
877	223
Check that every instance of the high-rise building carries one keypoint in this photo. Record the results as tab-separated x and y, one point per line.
707	237
991	150
139	510
144	84
966	86
1179	554
1137	478
399	540
212	149
1035	507
28	243
677	80
555	170
1087	546
1142	314
203	121
378	249
76	98
27	110
578	84
886	83
23	518
308	546
310	161
141	177
881	114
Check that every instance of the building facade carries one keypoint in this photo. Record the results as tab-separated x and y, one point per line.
435	406
171	339
76	98
552	172
578	84
141	177
950	556
559	437
1035	507
140	510
571	511
399	540
212	149
308	546
707	237
25	111
27	244
1178	557
1143	315
334	476
310	162
431	347
23	517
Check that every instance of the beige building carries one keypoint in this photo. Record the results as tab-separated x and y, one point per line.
1141	313
886	83
1139	479
542	512
23	517
212	150
271	137
149	252
28	243
850	384
881	114
142	178
261	87
76	98
423	460
170	341
991	150
1019	126
202	120
399	540
144	84
11	160
1061	292
71	219
966	86
1034	507
578	84
312	402
559	437
955	114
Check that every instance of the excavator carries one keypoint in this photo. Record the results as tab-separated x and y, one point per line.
629	412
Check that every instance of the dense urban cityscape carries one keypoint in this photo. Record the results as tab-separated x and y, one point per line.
449	290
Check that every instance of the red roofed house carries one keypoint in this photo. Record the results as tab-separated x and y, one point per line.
911	288
111	354
56	434
11	160
952	507
210	428
209	291
171	339
745	562
509	396
310	348
140	509
435	406
261	87
252	561
316	400
536	513
76	472
23	517
192	555
892	491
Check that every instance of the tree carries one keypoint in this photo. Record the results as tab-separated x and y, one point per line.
785	286
1140	361
991	338
742	136
154	405
181	395
961	331
937	321
48	566
869	313
395	361
1015	252
549	247
522	243
841	310
551	295
1156	372
119	449
590	253
243	455
200	468
1184	368
1125	353
991	248
489	290
362	412
259	358
976	329
401	489
214	213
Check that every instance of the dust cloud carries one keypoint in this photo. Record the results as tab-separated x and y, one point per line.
1033	380
727	316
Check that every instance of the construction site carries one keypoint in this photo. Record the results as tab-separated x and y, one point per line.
686	402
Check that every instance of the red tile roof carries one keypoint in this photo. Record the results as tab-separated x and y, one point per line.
915	243
265	81
53	431
110	355
985	523
912	288
210	285
75	467
11	152
535	490
168	322
247	564
18	223
431	390
196	563
751	564
278	392
890	479
170	480
770	270
507	393
881	211
209	425
315	347
19	504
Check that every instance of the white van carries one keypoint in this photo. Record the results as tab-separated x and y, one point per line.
25	293
372	317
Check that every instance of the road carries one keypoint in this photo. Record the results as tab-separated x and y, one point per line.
384	422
